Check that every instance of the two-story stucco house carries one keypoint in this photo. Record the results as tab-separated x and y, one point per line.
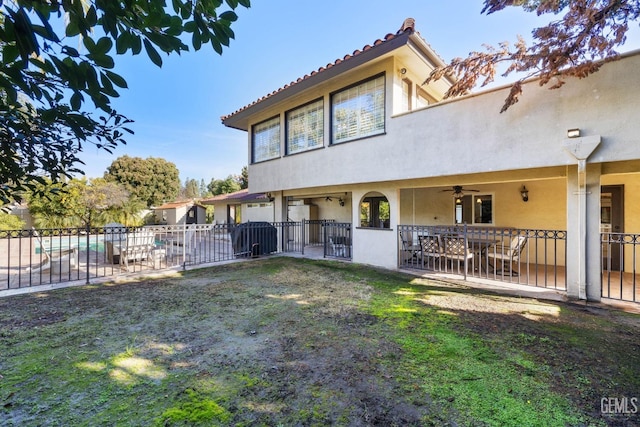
365	131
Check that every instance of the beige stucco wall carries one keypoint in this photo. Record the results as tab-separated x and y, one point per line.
252	212
469	135
546	208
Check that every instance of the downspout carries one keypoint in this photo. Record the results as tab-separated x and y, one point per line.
581	148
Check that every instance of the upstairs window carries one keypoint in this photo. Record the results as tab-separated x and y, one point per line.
423	98
305	127
407	95
358	111
265	144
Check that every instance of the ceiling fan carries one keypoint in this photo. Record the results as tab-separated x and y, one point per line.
458	191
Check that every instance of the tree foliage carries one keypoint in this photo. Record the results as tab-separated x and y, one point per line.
56	67
191	189
576	45
243	180
151	181
224	186
77	203
10	222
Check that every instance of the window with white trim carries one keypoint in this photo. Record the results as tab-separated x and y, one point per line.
407	95
358	111
474	209
305	127
423	98
265	143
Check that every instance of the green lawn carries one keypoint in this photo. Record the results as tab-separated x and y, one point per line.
283	341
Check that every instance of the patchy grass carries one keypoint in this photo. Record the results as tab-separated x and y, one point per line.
284	341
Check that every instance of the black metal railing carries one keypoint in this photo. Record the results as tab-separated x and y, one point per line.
620	274
524	256
50	256
337	240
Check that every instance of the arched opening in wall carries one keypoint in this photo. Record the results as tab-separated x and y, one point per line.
374	211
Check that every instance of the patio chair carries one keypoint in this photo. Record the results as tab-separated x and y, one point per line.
456	249
506	256
410	250
58	260
137	246
339	246
431	250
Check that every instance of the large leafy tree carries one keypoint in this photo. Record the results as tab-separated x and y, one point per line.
57	75
77	203
224	186
583	36
151	181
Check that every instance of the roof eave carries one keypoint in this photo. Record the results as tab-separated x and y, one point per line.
239	120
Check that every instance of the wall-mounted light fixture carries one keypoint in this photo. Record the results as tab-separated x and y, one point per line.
403	71
270	197
573	133
524	193
340	201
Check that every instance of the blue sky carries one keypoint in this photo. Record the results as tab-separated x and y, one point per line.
177	108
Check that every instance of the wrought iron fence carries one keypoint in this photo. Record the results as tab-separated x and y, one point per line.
620	258
523	256
337	240
50	256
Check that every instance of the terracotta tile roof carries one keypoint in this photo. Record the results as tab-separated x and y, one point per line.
238	196
408	26
173	205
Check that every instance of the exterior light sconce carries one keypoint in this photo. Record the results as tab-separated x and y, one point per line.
340	201
403	71
524	193
573	133
270	197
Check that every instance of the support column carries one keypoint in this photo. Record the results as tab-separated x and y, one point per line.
583	233
583	221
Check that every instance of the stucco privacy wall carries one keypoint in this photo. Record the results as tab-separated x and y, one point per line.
469	135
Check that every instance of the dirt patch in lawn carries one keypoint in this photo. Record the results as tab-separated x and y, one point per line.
292	342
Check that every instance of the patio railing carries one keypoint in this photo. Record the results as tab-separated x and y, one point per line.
523	256
49	256
620	266
337	239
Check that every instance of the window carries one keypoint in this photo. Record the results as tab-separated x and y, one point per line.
476	209
358	111
266	140
423	98
234	214
407	98
305	127
374	211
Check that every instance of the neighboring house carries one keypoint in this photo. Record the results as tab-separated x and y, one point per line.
241	206
364	130
184	212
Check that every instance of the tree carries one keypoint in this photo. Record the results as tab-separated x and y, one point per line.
78	203
203	188
576	45
151	181
244	178
223	186
57	64
10	222
191	189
